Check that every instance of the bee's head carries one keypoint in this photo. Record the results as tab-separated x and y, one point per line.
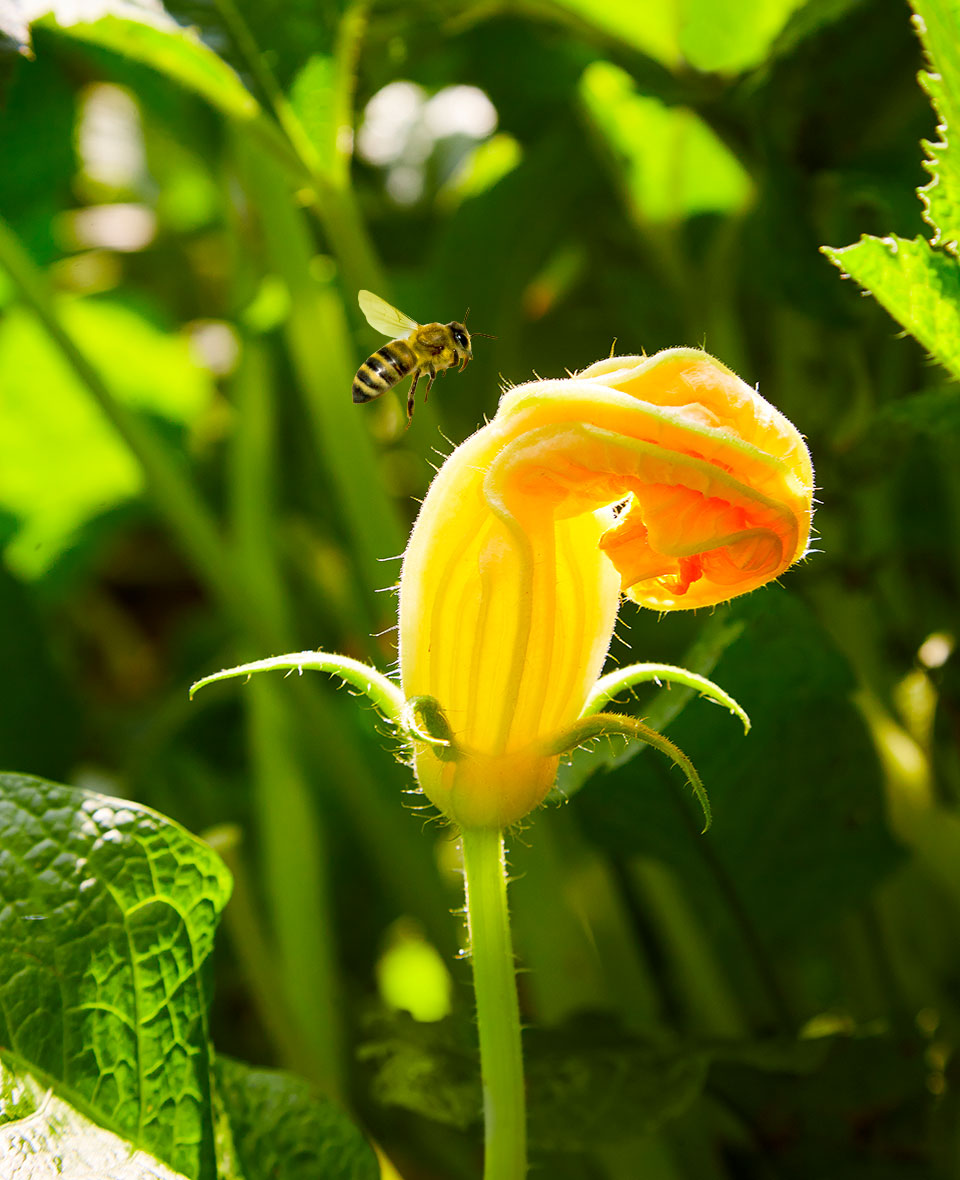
461	338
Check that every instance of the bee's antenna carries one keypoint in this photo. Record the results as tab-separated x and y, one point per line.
486	334
465	314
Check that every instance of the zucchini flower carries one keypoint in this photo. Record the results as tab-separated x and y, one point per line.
666	479
663	478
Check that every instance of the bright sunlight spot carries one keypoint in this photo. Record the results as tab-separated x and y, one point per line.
936	649
125	227
412	976
110	137
402	127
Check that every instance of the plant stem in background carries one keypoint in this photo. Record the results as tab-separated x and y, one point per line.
292	826
498	1012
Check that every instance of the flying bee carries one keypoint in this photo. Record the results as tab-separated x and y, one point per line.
414	348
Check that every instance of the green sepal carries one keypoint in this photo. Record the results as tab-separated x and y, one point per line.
424	720
623	679
617	724
382	692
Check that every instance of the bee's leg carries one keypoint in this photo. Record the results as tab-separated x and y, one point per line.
411	397
430	381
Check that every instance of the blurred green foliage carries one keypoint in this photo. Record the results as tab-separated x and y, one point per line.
186	213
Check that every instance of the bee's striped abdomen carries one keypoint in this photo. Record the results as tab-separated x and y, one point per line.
384	369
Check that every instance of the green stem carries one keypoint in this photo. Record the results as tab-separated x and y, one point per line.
326	167
498	1012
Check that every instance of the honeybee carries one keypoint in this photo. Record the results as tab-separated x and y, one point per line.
415	348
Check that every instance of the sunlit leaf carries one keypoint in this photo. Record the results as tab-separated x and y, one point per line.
486	164
651	28
918	281
670	165
731	35
313	96
917	284
61	463
42	1137
145	33
938	22
107	919
725	36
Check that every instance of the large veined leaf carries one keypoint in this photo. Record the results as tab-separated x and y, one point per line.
44	1138
107	920
918	281
918	285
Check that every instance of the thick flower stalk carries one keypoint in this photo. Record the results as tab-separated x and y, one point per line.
666	479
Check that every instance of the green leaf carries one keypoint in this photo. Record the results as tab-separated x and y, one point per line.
42	1137
430	1069
732	35
668	162
107	920
918	285
725	36
935	413
938	22
651	30
283	1130
864	1111
61	462
915	281
592	1082
149	35
809	19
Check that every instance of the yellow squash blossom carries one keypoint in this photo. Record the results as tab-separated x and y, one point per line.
666	478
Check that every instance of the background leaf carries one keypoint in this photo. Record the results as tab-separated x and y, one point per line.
149	35
799	835
53	432
284	1131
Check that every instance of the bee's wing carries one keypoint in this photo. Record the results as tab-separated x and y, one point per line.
383	317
